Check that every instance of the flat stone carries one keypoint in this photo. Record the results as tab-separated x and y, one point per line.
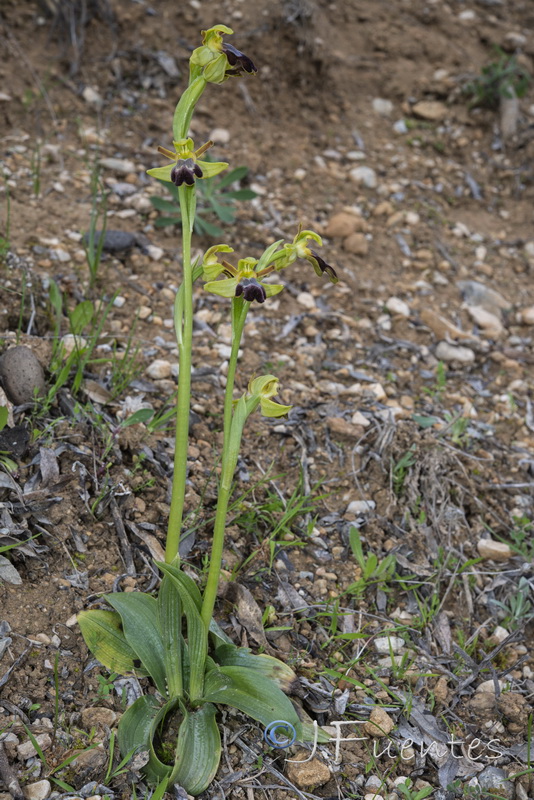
365	176
442	327
431	110
527	316
475	293
387	644
114	241
379	724
98	716
306	300
360	419
71	342
382	106
159	369
489	322
489	686
37	791
357	244
220	135
360	506
27	750
21	375
450	352
495	781
496	551
342	427
308	773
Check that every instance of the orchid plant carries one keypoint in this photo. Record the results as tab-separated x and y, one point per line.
173	639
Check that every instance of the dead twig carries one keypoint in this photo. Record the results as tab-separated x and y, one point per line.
125	547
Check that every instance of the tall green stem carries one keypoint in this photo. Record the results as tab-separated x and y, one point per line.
184	336
233	429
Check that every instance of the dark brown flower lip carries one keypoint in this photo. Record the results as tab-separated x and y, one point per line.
238	60
324	267
185	171
251	290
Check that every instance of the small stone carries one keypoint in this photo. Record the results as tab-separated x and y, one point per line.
397	306
91	96
144	312
475	293
119	301
60	255
360	507
37	791
307	773
442	327
27	750
490	323
431	110
377	389
373	796
383	209
450	352
382	106
307	300
527	316
357	244
364	175
342	427
114	241
341	225
495	781
441	690
387	644
360	419
379	724
489	686
499	635
21	375
159	369
98	715
496	551
220	136
122	166
153	252
70	342
42	638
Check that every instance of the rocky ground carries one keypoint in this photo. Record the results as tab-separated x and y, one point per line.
380	539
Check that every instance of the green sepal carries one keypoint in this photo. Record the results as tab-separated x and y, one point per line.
103	635
161	173
224	288
267	255
139	614
198	750
197	635
212	168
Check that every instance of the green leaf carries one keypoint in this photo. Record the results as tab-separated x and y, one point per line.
255	695
81	316
56	298
241	194
229	655
170	618
197	635
202	226
4	414
139	614
160	204
141	415
166	222
234	175
424	422
136	733
225	212
198	750
103	635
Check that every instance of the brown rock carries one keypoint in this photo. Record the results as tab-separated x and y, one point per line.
442	327
496	551
342	427
341	225
514	708
431	110
356	243
379	724
307	773
441	690
96	716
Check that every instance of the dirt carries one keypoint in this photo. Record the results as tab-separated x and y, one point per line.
441	449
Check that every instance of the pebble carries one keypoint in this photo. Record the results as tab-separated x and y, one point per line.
220	135
449	352
442	327
387	644
382	106
342	427
360	506
159	369
308	773
490	323
144	312
21	375
397	306
306	300
357	244
37	791
98	715
91	96
489	686
475	293
27	750
71	342
341	225
60	255
114	241
379	724
431	110
495	779
496	551
364	175
153	252
122	189
526	316
119	301
122	166
360	419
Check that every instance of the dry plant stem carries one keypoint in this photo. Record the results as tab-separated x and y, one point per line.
184	336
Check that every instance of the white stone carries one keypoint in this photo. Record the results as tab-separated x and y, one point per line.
70	342
467	16
382	106
496	551
500	634
387	644
37	791
527	316
490	323
364	175
119	301
489	686
299	174
397	306
377	389
400	127
360	506
450	352
27	750
140	203
144	312
91	96
220	135
306	300
159	369
60	255
155	253
122	166
360	419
